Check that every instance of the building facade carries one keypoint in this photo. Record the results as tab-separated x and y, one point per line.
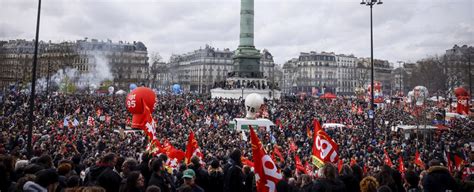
318	73
346	74
126	62
456	65
198	71
382	73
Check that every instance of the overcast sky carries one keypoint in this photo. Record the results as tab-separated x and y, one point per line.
403	30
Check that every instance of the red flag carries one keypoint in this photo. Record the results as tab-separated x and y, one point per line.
246	161
267	174
278	123
293	147
128	121
175	156
308	132
447	157
308	168
386	159
359	110
192	148
401	167
276	150
353	162
324	148
299	165
418	160
339	165
458	162
99	112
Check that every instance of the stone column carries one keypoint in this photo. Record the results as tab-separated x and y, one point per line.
246	23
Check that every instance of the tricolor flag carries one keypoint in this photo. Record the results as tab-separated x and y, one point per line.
324	148
192	148
267	174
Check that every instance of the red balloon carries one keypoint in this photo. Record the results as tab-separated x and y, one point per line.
460	91
136	102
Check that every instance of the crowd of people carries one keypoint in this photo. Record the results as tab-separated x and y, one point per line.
104	155
249	84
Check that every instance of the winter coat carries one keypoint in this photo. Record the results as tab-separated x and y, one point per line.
216	180
233	178
326	185
31	186
438	179
350	182
161	181
105	177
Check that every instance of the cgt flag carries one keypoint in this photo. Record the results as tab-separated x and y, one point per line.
267	174
324	148
192	148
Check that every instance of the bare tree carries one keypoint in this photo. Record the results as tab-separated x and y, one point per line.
428	73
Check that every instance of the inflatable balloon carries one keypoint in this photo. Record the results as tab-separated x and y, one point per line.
460	91
133	86
378	95
420	93
140	102
253	102
111	90
176	89
463	101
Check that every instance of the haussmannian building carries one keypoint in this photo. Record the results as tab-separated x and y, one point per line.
128	62
199	70
311	71
382	73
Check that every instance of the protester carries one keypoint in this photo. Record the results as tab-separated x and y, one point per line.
438	178
328	180
103	151
189	182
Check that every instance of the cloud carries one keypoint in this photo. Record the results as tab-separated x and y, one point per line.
403	30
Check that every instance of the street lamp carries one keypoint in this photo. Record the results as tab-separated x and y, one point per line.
33	85
371	3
